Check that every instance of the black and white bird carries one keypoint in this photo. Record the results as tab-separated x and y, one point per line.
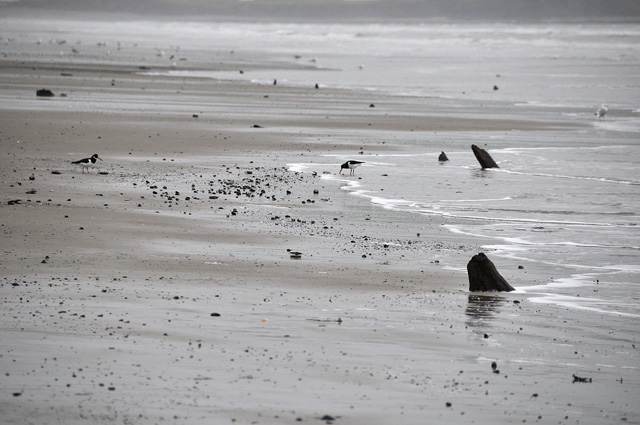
87	163
602	111
351	165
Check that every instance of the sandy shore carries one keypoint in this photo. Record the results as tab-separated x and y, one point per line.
161	290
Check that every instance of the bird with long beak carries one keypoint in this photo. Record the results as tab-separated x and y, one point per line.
87	163
351	165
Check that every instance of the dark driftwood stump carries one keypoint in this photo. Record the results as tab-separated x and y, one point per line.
483	275
483	157
443	157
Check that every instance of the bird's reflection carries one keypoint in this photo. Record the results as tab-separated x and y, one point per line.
481	308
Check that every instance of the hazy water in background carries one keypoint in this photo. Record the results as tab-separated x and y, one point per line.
556	66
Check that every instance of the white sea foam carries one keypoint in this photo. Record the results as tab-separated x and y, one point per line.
595	305
560	176
555	292
300	167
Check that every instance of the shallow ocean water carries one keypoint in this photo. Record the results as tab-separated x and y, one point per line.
565	200
570	210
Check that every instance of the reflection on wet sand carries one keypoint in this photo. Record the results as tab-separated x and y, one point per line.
481	308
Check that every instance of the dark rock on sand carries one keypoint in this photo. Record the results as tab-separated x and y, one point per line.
483	157
44	93
483	275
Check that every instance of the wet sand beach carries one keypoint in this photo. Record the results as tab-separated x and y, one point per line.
159	287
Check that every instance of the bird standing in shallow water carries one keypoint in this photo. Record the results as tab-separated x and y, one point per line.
602	111
351	165
87	163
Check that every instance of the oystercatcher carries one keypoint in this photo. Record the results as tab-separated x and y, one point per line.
351	165
87	163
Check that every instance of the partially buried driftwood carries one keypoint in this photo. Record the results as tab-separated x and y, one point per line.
483	275
483	157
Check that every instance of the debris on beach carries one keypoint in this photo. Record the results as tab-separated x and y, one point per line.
44	93
483	275
581	379
338	320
